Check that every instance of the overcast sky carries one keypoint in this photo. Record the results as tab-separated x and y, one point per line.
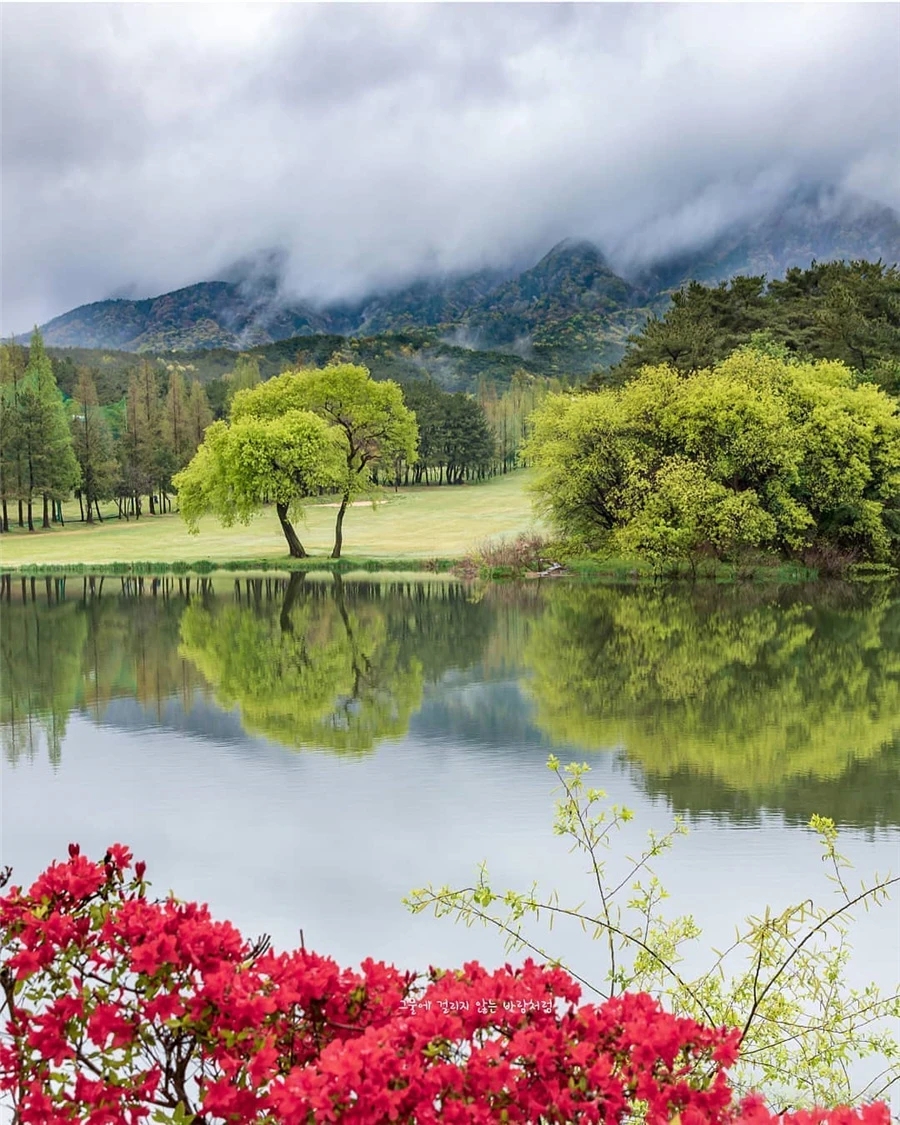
146	147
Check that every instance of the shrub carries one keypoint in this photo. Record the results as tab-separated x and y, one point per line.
118	1007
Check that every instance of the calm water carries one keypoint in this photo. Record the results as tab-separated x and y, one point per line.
302	753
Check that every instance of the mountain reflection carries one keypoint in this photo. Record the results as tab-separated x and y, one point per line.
723	700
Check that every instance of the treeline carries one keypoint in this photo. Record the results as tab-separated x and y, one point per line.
62	434
847	311
51	446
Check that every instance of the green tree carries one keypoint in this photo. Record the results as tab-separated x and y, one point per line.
48	462
136	448
756	452
849	311
93	446
12	468
370	419
244	377
244	463
469	445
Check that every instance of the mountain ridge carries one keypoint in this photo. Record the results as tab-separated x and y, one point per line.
571	308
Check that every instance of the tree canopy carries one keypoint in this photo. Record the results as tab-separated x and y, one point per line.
241	464
756	452
369	419
849	311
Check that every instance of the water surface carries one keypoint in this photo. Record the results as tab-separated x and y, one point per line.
301	753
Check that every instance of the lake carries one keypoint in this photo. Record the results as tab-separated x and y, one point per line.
301	753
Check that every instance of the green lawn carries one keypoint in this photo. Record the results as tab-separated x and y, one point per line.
415	523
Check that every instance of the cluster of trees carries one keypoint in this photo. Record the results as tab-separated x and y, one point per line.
51	446
294	437
848	311
456	442
760	451
56	439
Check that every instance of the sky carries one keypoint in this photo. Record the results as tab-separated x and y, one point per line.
151	146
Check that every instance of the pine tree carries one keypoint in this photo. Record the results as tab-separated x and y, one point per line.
48	461
12	372
93	446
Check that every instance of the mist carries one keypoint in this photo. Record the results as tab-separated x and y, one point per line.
148	147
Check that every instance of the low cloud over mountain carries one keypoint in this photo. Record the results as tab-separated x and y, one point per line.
148	147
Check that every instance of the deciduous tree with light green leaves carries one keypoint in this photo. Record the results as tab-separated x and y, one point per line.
369	418
243	463
757	452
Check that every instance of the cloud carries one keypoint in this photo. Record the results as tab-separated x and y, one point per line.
150	146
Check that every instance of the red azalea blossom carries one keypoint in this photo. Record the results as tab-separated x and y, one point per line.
125	1006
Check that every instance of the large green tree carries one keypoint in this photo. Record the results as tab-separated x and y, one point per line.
370	420
757	452
244	463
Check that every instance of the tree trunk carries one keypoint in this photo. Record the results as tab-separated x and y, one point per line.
5	516
21	515
295	547
339	527
46	520
59	513
30	515
97	506
81	506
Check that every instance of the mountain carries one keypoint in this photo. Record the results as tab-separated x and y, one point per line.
213	314
811	223
570	313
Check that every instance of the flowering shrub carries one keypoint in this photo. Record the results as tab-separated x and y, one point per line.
119	1008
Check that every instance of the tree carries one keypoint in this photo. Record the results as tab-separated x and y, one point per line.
48	462
93	446
454	433
136	447
12	468
198	414
758	452
244	376
244	463
469	445
849	311
176	421
370	419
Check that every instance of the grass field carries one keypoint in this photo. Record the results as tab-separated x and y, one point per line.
414	523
